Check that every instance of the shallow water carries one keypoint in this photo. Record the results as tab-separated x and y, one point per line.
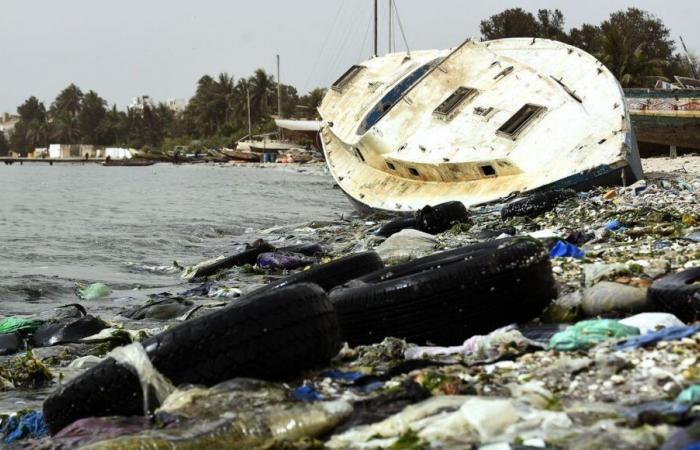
125	226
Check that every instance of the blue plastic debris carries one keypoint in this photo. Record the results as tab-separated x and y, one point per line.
342	376
613	225
283	260
306	393
31	424
562	249
695	446
653	337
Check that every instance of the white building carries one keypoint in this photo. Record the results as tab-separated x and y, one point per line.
141	101
7	123
176	104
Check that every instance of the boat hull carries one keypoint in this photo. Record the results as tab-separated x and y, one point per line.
127	163
405	155
665	117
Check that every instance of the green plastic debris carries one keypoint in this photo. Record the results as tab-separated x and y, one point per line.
93	291
12	324
588	333
690	395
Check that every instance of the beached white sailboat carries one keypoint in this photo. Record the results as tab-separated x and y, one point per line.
475	124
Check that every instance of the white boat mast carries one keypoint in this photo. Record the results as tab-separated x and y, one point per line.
279	96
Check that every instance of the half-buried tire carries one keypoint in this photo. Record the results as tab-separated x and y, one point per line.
536	204
438	218
396	225
472	290
678	294
271	336
331	274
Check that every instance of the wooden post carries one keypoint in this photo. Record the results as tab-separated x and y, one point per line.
673	152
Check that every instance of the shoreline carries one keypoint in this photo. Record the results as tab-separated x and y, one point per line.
650	247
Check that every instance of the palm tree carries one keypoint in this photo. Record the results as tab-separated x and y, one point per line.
68	101
66	129
93	110
627	61
262	89
224	98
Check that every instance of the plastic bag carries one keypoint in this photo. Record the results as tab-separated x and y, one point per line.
12	324
562	249
588	333
94	291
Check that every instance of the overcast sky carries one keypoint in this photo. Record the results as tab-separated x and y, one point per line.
162	47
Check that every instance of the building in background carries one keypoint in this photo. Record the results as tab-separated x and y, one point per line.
7	123
141	101
175	104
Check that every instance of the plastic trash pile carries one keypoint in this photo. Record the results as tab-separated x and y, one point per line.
611	361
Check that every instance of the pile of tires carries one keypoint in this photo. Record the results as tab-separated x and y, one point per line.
293	324
430	219
271	336
448	297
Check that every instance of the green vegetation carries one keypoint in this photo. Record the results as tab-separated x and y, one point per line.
635	45
4	145
216	116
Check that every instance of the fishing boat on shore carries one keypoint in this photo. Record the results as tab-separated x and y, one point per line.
476	124
241	155
669	117
133	162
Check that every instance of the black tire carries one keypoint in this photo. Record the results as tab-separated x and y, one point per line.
678	294
248	256
429	262
66	331
270	336
396	225
536	204
438	218
332	274
449	301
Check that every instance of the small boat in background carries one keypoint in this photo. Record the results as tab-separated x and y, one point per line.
109	162
241	155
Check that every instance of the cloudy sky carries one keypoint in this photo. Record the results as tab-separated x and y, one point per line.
161	47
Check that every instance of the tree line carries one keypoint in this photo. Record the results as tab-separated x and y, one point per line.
635	45
217	115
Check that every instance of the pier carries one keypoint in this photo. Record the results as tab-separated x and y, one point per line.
8	161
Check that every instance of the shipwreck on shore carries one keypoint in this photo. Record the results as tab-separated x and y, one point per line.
476	124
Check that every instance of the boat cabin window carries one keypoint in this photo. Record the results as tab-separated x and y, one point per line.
413	172
390	166
488	170
395	94
346	77
451	103
521	119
